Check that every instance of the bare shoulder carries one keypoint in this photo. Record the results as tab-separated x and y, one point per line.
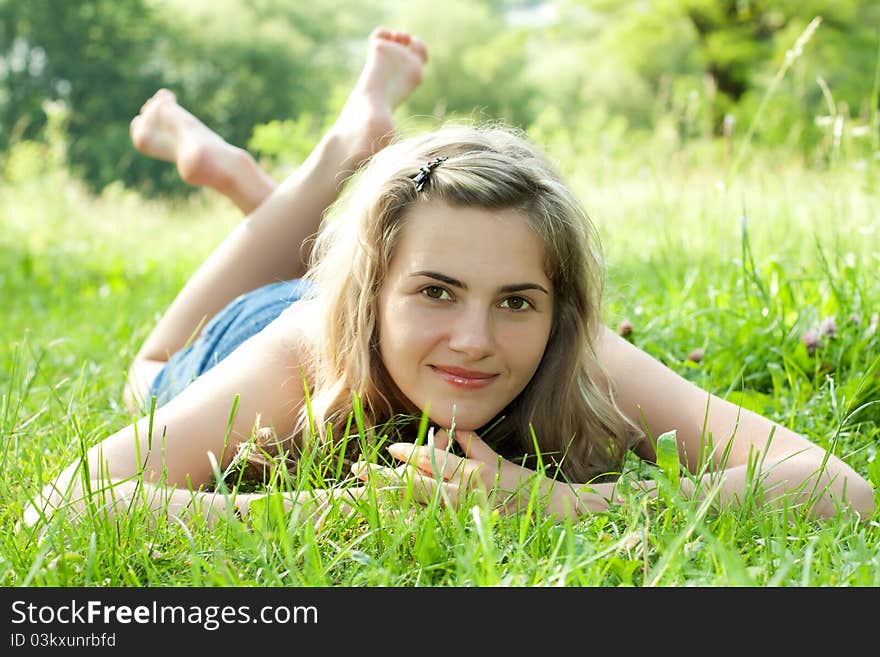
267	374
297	327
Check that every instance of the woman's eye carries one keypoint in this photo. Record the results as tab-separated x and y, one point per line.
435	292
516	303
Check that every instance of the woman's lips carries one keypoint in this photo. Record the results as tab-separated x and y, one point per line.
461	378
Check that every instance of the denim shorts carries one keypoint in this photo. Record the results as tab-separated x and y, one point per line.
245	316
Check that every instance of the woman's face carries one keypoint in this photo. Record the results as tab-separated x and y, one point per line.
465	311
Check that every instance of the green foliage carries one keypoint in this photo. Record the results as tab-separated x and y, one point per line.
85	276
289	141
235	65
248	64
32	159
92	56
668	458
671	77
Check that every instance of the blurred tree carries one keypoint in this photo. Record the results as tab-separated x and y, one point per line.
250	63
94	57
477	60
268	73
703	60
234	64
744	43
833	78
734	36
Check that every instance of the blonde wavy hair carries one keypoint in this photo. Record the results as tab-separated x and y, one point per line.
564	409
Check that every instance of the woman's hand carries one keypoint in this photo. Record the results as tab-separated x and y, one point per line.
313	505
432	467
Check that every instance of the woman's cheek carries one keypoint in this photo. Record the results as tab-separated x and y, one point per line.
406	329
525	347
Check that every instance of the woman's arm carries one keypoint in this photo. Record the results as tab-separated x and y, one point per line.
740	445
745	449
110	498
175	447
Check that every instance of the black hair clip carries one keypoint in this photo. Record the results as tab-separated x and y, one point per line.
424	175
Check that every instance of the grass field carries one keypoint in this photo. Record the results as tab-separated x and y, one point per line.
742	270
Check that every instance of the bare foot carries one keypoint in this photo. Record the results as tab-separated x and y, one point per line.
166	131
393	69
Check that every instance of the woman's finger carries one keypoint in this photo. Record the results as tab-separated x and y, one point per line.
438	439
426	488
437	462
474	447
387	476
422	485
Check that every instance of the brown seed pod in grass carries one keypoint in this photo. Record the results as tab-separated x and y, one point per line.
696	355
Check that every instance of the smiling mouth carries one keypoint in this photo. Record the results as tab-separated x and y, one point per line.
464	378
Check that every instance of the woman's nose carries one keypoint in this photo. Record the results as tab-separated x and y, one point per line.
471	333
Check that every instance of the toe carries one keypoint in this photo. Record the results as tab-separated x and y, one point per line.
403	38
419	48
382	33
133	126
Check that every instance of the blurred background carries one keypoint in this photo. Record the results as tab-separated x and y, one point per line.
599	82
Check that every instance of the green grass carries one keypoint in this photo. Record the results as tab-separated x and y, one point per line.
742	271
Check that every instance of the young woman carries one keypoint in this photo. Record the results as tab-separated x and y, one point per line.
459	279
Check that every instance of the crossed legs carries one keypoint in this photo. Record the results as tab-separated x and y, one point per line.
271	243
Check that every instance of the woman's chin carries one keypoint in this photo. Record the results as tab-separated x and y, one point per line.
461	421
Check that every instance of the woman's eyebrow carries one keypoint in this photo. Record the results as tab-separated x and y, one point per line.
454	282
519	287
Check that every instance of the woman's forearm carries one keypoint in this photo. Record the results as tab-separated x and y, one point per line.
799	480
74	494
70	492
